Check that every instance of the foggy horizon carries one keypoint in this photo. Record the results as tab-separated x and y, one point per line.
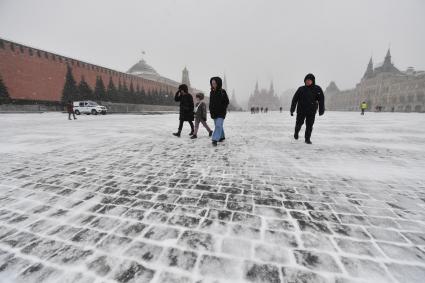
246	40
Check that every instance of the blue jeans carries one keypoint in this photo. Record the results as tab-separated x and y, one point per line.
218	129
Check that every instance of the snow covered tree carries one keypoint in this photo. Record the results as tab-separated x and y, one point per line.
70	90
99	89
4	94
84	90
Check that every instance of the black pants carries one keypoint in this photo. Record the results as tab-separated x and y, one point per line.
69	115
309	121
181	125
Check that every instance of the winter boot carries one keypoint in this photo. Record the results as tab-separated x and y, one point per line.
210	133
193	137
177	134
296	135
214	143
308	141
221	140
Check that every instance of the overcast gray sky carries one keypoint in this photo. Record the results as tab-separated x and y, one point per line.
246	39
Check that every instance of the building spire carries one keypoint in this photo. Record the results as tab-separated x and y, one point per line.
369	70
271	88
185	77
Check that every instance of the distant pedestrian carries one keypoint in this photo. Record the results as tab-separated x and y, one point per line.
307	99
280	109
70	110
363	107
218	108
186	108
200	115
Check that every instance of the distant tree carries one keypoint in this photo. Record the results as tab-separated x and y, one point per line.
70	90
125	93
4	93
111	91
99	89
84	90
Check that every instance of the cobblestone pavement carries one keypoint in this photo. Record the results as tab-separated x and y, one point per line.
117	198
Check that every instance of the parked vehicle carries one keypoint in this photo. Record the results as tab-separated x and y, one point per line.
89	107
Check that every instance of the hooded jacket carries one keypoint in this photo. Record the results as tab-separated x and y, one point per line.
218	100
308	98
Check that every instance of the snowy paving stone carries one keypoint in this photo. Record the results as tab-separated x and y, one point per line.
276	224
415	238
175	257
11	265
43	249
64	232
247	219
159	233
143	251
82	219
190	210
316	261
293	275
270	212
236	247
143	204
280	238
168	277
366	269
313	227
237	230
70	255
407	273
19	240
219	267
323	216
268	202
229	190
145	196
136	214
317	206
131	229
407	253
156	217
223	215
296	205
238	206
132	272
102	264
6	231
112	210
88	237
213	226
198	241
412	226
240	198
272	253
317	241
187	201
113	242
353	219
184	221
349	231
38	273
261	273
358	247
211	203
167	198
299	215
380	234
163	207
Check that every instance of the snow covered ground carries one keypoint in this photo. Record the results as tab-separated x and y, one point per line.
117	198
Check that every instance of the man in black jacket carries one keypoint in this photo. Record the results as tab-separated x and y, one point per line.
186	108
307	99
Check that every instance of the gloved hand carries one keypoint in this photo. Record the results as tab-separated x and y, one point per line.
292	113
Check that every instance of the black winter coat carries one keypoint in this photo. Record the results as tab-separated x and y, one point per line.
218	104
307	98
186	106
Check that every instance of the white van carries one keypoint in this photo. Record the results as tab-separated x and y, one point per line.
89	107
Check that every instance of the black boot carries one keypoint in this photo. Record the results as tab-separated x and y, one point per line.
177	134
222	139
214	143
210	133
308	141
193	137
191	133
296	135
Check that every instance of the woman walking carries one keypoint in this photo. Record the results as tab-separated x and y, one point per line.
186	108
218	109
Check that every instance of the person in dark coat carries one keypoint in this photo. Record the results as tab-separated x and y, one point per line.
70	110
218	108
307	99
186	108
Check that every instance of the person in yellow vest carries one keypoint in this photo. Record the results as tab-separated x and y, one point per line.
363	106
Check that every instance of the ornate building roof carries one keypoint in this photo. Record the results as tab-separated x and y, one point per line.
142	68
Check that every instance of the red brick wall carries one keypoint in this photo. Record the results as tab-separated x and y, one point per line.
35	77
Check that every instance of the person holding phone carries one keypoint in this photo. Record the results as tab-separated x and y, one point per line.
186	108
